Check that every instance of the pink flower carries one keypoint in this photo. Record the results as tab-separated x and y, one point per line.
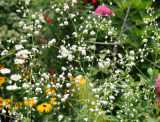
158	79
158	84
103	10
158	87
158	101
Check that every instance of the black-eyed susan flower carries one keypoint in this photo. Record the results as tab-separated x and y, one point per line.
44	107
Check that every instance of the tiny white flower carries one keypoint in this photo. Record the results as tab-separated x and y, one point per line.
85	31
37	22
110	33
68	84
19	47
111	97
57	10
25	86
92	33
36	33
69	74
33	16
74	1
100	65
86	119
66	23
145	40
60	117
74	34
132	52
63	99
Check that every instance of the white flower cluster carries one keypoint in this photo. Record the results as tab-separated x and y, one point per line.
23	54
50	43
65	53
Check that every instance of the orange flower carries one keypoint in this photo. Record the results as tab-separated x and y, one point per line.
2	66
2	80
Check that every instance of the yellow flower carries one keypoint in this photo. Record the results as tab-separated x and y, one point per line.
1	102
44	107
6	101
65	91
50	91
158	118
2	66
30	102
71	78
144	114
81	81
17	105
1	105
2	80
1	99
52	101
70	104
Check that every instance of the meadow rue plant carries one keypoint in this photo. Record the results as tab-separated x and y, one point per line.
67	64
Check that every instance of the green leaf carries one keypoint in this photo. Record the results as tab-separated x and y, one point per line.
150	71
92	39
151	120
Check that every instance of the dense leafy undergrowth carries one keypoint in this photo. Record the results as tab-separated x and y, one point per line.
79	60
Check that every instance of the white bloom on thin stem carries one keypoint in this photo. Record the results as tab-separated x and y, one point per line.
12	87
60	117
25	85
85	31
92	33
19	61
74	1
16	77
5	71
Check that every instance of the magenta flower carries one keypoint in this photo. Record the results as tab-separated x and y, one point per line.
158	84
158	79
158	99
103	10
